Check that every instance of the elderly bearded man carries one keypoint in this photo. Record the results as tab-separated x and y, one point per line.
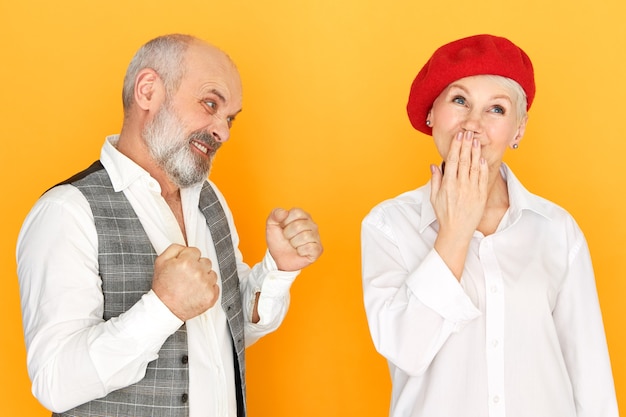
135	298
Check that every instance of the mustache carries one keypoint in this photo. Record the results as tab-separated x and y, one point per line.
206	138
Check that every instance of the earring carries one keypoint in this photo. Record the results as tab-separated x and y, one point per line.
515	146
427	122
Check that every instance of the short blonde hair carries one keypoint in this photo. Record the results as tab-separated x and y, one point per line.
518	96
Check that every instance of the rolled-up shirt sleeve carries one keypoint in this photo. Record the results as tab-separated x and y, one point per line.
273	286
264	279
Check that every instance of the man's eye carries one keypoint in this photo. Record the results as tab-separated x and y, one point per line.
211	104
230	120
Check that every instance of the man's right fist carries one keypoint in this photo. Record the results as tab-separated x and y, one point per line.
184	281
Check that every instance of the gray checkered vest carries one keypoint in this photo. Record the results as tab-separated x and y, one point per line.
126	262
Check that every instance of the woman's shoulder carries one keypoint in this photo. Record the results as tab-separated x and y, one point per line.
524	200
409	204
413	197
556	217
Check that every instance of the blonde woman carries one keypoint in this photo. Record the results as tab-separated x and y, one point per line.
480	294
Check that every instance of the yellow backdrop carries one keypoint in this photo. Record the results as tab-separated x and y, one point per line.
323	127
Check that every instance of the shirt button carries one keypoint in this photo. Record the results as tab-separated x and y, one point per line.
494	289
495	342
184	397
496	399
185	359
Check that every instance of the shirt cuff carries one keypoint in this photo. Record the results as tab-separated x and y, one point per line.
437	288
151	321
276	283
123	346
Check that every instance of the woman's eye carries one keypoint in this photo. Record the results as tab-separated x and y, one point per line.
498	109
458	100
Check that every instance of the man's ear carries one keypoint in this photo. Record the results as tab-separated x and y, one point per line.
149	89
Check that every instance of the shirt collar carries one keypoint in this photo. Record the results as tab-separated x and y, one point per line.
123	171
520	199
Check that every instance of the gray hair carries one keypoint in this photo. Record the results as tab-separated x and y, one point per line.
164	55
520	100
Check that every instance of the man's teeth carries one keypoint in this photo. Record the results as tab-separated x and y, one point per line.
201	147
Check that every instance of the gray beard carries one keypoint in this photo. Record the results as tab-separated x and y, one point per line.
171	149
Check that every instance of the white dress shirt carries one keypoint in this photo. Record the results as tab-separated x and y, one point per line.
75	356
520	335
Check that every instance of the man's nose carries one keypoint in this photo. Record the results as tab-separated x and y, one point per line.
220	129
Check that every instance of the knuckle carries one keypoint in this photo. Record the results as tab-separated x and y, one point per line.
192	250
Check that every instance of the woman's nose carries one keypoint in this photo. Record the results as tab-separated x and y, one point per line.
472	122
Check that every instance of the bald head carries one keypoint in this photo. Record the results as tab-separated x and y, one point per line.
166	56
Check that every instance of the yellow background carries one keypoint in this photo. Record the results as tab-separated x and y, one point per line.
323	127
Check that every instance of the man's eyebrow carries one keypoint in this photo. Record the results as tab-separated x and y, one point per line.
223	99
219	95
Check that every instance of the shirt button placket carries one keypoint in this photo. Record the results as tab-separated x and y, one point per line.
494	298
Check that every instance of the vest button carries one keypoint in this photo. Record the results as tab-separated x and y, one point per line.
184	397
185	359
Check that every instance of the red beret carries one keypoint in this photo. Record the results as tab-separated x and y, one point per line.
475	55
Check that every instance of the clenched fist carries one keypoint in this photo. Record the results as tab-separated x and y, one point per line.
292	239
185	281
